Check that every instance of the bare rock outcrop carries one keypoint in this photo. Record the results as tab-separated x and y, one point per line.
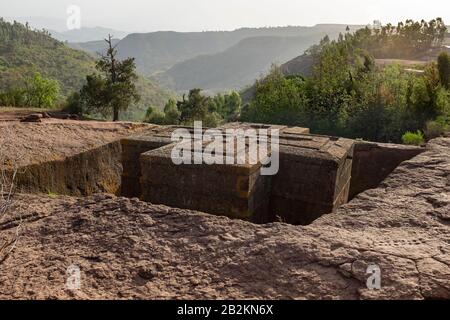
55	140
64	157
34	117
128	249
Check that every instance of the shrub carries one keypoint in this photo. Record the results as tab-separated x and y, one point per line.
155	116
74	104
415	139
172	114
436	128
13	98
444	69
41	92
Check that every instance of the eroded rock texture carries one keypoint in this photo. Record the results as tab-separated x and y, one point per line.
130	249
65	157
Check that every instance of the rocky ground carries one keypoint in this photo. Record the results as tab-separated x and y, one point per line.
54	139
130	249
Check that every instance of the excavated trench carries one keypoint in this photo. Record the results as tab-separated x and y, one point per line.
98	170
115	168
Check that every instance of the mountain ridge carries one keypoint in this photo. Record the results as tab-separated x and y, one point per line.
235	67
161	54
161	50
87	34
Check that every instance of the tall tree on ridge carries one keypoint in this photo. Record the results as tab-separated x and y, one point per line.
114	89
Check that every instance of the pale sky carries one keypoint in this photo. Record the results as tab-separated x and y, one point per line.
200	15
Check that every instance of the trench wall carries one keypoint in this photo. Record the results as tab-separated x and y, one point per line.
373	162
86	173
130	157
116	168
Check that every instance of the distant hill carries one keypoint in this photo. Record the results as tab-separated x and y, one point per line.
24	52
58	29
40	23
87	34
235	67
92	47
216	60
301	65
157	52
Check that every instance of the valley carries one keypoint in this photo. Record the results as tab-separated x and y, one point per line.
215	61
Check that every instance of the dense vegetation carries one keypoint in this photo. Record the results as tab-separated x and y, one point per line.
37	92
25	53
348	95
212	111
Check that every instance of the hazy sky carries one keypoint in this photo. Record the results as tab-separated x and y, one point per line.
198	15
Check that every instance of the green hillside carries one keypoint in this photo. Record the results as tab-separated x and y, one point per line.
151	95
367	84
409	44
92	47
24	51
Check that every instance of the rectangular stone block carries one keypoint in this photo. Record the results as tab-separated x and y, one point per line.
313	179
233	190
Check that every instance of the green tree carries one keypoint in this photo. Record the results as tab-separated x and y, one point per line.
278	99
231	107
195	108
444	69
171	112
113	89
94	95
155	116
41	92
74	104
15	97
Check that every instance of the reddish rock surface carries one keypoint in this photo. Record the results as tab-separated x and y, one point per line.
53	139
130	249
